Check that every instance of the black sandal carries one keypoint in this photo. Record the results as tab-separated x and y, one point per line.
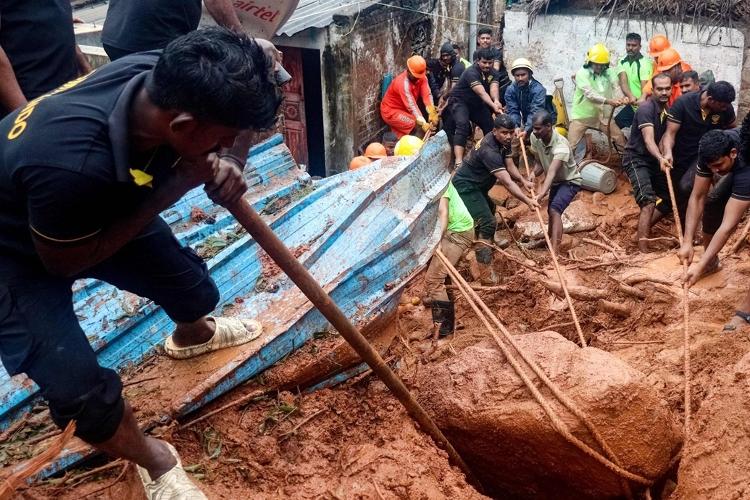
729	327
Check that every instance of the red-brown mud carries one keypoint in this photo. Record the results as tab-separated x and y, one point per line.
355	441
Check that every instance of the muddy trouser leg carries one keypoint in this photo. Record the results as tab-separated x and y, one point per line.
479	206
716	201
576	130
482	117
40	336
449	124
642	177
453	246
661	189
462	123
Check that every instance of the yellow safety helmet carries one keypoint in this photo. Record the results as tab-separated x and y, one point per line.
519	63
408	145
598	54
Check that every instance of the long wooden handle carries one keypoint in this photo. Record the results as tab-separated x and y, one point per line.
267	239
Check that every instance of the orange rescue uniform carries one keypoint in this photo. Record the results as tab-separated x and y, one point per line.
399	106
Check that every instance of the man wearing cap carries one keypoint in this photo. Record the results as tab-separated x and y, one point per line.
596	83
444	72
691	116
474	98
634	71
525	96
399	108
85	172
490	163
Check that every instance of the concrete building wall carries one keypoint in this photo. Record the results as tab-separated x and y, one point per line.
557	45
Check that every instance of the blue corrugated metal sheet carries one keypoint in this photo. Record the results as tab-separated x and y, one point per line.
361	234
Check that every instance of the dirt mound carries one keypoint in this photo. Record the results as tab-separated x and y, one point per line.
352	443
716	463
505	436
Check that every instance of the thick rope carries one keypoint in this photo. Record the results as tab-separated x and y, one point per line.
611	463
685	315
560	276
39	462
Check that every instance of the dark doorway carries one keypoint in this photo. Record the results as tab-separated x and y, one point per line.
313	91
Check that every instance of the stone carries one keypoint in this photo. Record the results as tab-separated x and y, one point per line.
486	411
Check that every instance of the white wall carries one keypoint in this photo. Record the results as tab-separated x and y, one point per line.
557	45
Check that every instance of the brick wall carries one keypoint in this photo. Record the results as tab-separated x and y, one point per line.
375	44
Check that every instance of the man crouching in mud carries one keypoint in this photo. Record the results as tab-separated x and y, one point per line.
720	197
84	173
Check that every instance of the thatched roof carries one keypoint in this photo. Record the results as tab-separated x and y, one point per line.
702	13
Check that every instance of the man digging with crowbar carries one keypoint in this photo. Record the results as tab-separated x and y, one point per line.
84	173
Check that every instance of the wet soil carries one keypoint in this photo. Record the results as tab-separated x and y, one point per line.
356	441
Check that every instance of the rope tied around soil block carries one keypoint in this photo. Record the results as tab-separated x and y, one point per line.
485	314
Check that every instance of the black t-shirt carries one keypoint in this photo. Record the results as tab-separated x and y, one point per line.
37	36
438	74
503	78
649	114
471	77
479	168
740	171
138	25
686	111
65	164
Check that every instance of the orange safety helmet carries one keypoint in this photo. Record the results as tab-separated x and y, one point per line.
417	66
359	162
657	45
667	59
375	151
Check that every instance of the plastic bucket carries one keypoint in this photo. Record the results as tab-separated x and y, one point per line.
597	177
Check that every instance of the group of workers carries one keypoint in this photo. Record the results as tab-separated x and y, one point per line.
88	160
681	125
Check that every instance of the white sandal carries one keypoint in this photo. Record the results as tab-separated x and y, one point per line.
172	485
229	332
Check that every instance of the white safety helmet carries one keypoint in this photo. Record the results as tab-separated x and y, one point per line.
519	63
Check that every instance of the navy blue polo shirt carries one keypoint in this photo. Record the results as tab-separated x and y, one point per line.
65	164
686	111
37	36
648	114
139	25
470	78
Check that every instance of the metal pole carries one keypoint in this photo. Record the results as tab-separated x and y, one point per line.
267	239
472	29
